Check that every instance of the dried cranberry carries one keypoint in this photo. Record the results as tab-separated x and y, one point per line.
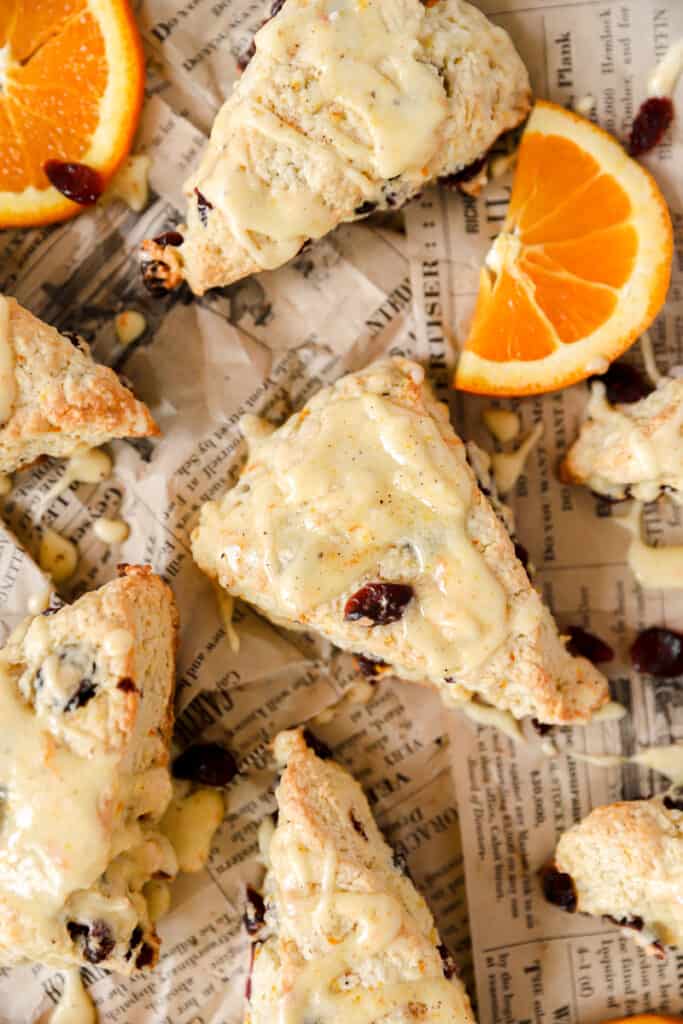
126	685
658	652
203	207
252	956
635	923
135	940
145	957
542	728
624	384
370	666
522	554
673	803
358	825
244	59
97	939
558	888
255	911
466	173
587	645
76	340
78	182
450	967
382	603
169	238
154	276
209	764
85	692
652	120
365	208
319	748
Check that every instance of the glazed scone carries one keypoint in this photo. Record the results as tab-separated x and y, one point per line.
345	108
361	518
54	399
625	862
85	717
350	937
632	450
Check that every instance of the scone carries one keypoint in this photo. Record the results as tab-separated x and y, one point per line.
346	935
85	717
54	399
625	862
361	518
633	450
345	108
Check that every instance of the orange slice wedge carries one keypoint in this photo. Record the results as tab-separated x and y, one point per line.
646	1018
71	87
580	269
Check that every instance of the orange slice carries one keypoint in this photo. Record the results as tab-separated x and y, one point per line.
580	269
71	87
646	1018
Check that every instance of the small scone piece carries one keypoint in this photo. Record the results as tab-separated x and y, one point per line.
85	720
54	398
633	450
350	938
625	862
361	518
346	107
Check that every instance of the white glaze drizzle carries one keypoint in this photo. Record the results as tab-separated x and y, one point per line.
111	531
190	823
57	556
503	424
654	457
654	567
75	1005
509	466
668	760
8	385
358	59
226	607
39	601
483	714
85	466
611	712
649	361
663	79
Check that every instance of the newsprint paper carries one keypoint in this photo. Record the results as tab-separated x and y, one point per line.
460	801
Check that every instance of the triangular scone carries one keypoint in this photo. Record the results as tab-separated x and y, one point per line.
85	717
54	398
345	108
632	450
625	862
362	519
351	939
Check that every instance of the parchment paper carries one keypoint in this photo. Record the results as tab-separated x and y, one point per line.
265	345
534	962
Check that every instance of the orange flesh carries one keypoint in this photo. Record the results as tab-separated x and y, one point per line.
577	248
49	104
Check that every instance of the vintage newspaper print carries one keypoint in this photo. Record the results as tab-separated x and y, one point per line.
534	962
263	345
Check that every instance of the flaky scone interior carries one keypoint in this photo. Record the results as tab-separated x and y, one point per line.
362	519
631	450
345	108
54	398
624	861
85	718
346	935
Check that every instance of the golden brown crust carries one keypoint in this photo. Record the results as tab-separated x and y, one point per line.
64	400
